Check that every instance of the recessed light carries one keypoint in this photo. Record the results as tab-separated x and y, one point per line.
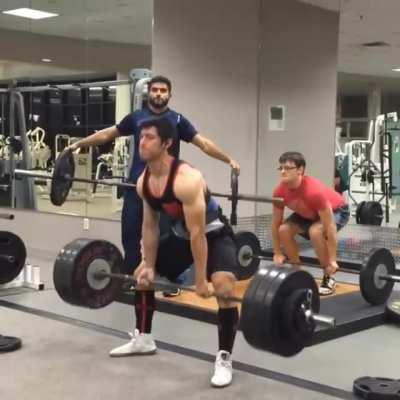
397	69
46	60
30	13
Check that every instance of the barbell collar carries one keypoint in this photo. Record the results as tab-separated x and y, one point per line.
324	320
10	259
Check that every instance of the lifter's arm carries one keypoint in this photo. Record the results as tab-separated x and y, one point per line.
100	137
150	238
189	189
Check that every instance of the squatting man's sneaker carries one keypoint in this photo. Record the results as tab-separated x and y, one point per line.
222	370
328	285
140	344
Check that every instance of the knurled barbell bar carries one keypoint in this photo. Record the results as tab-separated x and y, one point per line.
377	271
64	175
279	308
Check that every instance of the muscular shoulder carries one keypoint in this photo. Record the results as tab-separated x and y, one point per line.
139	186
189	182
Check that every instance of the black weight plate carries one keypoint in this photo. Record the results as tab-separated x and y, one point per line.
263	325
9	343
371	388
247	243
369	213
392	310
60	187
280	291
372	213
376	213
64	270
74	270
12	256
377	263
295	324
234	197
253	300
359	211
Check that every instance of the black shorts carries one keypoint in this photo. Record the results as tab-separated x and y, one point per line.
340	215
174	255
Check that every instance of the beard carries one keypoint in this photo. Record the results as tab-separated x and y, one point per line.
158	104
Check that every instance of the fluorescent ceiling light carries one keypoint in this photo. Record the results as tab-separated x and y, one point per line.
30	13
396	69
46	60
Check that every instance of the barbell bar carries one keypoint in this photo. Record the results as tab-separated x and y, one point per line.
64	175
377	271
318	318
279	310
244	197
392	278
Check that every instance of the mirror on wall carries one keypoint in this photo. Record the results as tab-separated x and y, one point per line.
368	103
64	76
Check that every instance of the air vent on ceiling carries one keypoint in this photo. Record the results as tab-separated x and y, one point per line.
375	44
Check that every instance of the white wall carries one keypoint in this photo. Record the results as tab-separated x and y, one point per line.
230	60
50	232
299	70
209	50
84	55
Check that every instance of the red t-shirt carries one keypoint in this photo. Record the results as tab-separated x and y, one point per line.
309	198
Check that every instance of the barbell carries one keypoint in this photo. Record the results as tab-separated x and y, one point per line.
12	261
279	309
12	256
64	175
377	271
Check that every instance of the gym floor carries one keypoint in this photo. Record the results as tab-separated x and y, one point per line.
65	355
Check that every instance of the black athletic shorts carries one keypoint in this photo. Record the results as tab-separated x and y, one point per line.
174	255
340	215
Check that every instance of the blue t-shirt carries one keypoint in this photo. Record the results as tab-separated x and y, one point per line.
130	126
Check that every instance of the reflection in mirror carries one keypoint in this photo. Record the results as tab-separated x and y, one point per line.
68	76
366	151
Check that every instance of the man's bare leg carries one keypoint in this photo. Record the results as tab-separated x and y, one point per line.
287	232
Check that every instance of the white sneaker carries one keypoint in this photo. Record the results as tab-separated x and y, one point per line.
140	344
222	369
327	286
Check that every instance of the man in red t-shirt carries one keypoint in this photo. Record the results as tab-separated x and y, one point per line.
319	212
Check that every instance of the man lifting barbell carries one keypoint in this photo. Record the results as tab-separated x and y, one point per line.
200	234
319	212
159	95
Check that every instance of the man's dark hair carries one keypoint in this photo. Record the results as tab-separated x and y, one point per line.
293	156
164	128
160	79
